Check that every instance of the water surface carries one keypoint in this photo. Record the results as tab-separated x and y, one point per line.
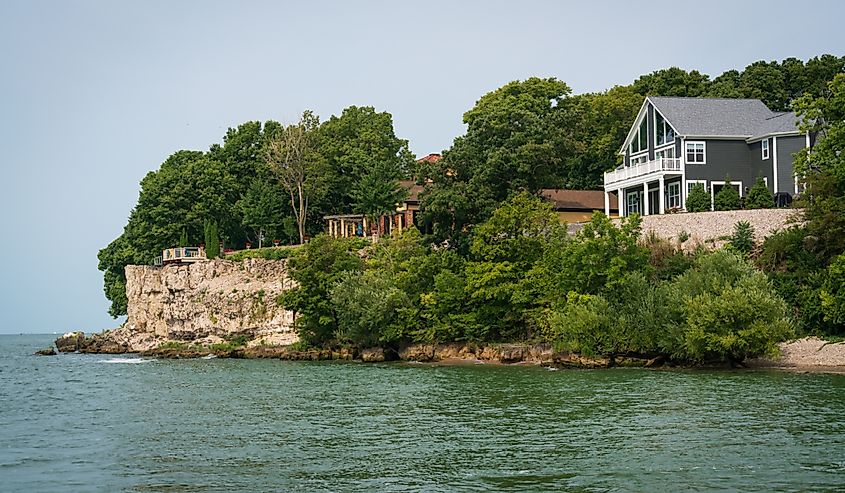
103	423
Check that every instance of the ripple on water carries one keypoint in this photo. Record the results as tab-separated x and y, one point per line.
73	423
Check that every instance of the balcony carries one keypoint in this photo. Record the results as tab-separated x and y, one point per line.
656	166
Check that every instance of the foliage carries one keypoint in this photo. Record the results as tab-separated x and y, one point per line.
698	199
262	209
832	292
727	199
316	267
212	239
742	239
370	309
729	310
268	253
183	240
759	197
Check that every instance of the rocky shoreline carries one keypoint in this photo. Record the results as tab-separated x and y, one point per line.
807	354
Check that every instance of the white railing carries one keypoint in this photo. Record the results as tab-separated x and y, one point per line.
182	254
656	166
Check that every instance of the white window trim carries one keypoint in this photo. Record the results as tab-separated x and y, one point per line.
628	202
713	189
666	123
703	154
765	154
669	186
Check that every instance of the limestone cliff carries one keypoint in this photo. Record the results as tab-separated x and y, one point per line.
205	303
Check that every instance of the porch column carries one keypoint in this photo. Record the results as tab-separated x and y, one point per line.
661	191
331	228
645	199
607	203
620	201
342	228
366	231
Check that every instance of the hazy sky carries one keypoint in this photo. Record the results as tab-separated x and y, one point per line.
94	95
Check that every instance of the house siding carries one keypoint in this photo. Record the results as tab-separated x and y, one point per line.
759	166
787	146
724	157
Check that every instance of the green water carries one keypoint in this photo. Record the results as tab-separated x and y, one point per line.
97	423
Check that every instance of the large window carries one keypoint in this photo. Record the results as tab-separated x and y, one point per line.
639	160
764	149
640	140
663	132
696	152
673	194
667	153
633	203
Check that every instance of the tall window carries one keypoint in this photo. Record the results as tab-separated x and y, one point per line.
696	153
664	133
640	140
665	153
673	193
633	202
765	149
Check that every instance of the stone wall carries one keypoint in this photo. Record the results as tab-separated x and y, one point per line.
209	302
710	226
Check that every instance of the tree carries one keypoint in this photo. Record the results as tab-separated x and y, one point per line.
183	240
672	82
742	239
727	199
759	196
261	207
698	199
317	267
364	160
212	239
292	155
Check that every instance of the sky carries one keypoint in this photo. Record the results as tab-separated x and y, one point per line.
96	94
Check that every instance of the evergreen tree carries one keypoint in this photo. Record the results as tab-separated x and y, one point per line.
728	198
742	239
212	240
698	199
183	240
759	196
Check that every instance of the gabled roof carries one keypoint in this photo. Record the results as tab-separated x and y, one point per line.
713	116
586	200
779	123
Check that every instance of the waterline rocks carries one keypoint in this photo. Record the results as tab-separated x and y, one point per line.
70	342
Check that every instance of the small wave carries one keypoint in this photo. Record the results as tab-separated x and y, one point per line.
125	360
209	356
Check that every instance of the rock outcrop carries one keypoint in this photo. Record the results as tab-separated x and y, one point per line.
70	342
200	305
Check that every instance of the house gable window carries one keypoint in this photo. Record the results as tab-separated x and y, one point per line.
663	132
639	142
764	149
696	152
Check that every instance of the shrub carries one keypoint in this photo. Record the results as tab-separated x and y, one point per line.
728	198
832	292
729	311
269	253
370	309
759	196
742	239
698	199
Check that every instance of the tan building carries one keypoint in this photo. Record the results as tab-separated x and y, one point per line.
575	206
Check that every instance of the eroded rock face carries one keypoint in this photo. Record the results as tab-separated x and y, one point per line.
201	303
70	342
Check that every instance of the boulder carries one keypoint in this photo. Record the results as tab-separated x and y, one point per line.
70	342
372	355
46	352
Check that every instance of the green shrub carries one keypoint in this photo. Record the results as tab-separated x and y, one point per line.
729	311
370	309
269	253
832	292
742	239
698	199
728	198
759	197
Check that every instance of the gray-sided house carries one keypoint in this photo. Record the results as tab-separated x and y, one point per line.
677	143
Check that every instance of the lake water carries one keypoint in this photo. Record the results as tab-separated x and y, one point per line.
103	423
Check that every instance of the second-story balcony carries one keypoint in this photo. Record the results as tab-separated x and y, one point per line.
656	166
